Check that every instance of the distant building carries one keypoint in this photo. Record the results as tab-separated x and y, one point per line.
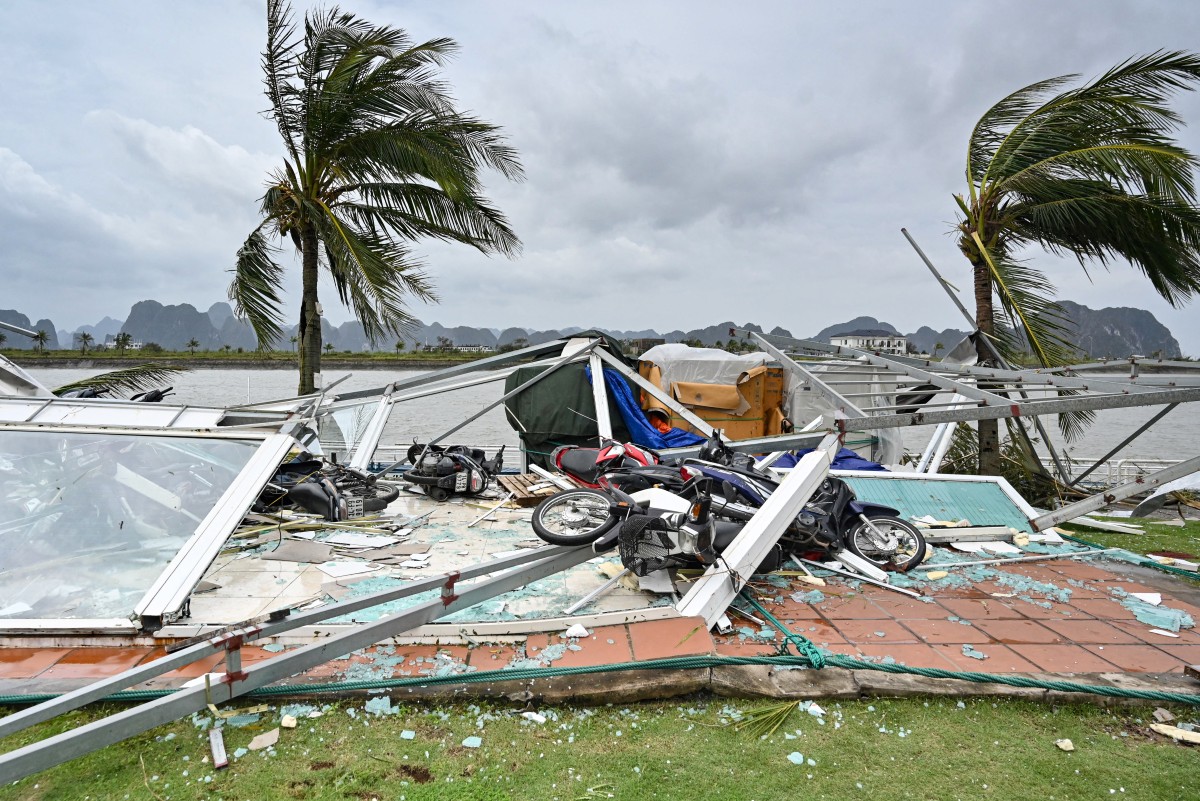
473	348
874	340
636	347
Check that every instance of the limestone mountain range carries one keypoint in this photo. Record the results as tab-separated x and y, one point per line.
1110	332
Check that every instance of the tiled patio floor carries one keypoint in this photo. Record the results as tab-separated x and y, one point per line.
1090	632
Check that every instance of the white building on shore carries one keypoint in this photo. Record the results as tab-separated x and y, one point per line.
874	340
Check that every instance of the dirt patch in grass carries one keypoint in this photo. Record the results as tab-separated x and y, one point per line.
418	773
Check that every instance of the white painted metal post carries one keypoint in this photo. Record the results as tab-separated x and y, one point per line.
600	396
711	595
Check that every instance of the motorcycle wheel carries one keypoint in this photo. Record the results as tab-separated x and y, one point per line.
910	549
573	517
376	495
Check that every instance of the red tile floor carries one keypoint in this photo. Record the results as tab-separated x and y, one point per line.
1089	633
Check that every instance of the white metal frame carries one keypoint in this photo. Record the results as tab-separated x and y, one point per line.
177	579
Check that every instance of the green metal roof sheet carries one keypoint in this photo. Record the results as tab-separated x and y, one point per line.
981	503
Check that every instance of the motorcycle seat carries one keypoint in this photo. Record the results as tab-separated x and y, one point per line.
580	462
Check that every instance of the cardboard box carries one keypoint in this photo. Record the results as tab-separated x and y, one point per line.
751	408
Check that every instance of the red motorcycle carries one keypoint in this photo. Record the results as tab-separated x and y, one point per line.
622	465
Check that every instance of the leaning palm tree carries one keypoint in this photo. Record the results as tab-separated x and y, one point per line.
40	339
376	156
85	341
1091	172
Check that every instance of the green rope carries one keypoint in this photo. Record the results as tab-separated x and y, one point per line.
804	646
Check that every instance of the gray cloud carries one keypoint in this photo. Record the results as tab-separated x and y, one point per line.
686	163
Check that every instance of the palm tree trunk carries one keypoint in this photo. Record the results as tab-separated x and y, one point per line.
989	430
310	319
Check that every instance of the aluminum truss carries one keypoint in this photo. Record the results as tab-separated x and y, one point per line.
1055	394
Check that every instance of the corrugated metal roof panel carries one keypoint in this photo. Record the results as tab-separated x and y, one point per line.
981	503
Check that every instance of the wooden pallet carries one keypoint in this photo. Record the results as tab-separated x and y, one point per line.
521	486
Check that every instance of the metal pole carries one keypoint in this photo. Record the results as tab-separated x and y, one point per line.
600	397
93	736
860	577
696	422
1124	442
467	367
249	631
1102	499
1039	558
950	290
808	377
596	593
16	329
1026	409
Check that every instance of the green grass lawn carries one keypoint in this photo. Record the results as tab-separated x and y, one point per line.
1159	535
885	749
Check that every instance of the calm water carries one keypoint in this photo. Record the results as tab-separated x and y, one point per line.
1176	436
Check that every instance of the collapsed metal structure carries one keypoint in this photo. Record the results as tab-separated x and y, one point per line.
927	393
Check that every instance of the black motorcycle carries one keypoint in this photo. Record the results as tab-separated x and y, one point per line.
457	469
832	519
653	529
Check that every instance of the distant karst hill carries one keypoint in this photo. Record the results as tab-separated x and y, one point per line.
1112	332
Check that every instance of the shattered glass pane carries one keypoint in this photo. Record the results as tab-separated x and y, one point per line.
342	427
89	520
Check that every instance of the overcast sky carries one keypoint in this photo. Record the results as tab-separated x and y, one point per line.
687	162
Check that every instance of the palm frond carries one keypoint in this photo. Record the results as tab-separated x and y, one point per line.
128	381
411	211
374	275
281	44
1001	121
254	290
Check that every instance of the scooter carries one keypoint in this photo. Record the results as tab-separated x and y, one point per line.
622	465
833	519
652	528
457	469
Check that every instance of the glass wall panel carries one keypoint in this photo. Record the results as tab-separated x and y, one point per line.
89	520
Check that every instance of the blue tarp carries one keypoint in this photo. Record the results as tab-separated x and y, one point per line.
640	430
845	459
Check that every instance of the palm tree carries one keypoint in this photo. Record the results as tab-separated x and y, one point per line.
40	339
376	155
192	344
122	341
294	340
85	341
1091	172
400	346
3	337
329	347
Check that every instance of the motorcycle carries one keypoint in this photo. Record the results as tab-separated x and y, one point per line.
625	466
832	519
652	528
441	472
332	490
